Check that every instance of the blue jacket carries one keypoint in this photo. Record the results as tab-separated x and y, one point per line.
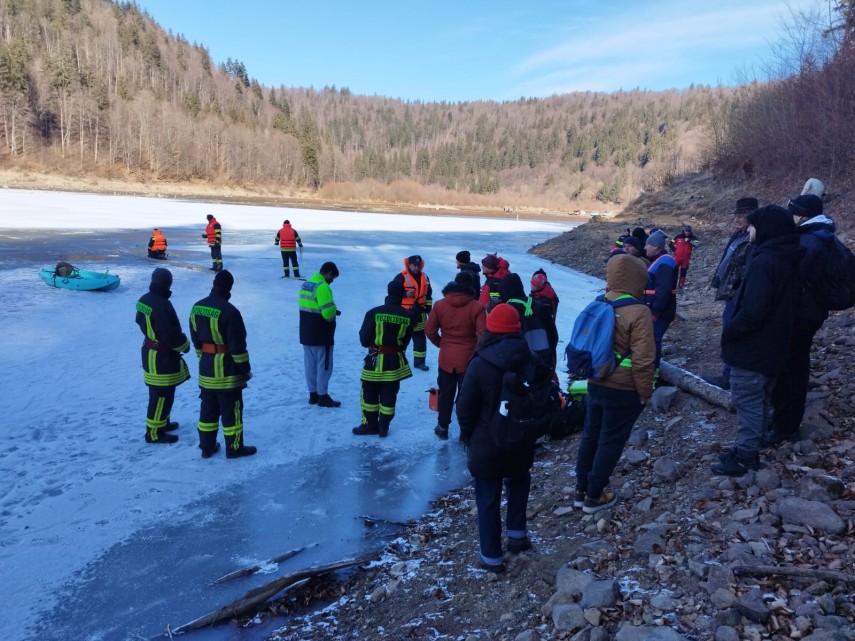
814	235
660	294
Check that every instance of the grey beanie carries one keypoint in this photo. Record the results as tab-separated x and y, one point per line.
657	239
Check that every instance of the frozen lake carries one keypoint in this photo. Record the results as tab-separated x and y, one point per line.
103	536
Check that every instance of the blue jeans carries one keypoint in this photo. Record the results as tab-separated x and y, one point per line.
488	499
659	328
726	317
608	422
751	395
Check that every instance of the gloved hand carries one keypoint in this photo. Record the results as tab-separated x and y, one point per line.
204	235
338	312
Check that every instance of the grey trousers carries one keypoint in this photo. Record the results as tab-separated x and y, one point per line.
318	364
751	395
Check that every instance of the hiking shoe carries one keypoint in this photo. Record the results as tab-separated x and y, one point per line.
313	398
579	499
732	464
495	569
365	430
515	545
441	432
243	450
162	437
325	400
210	453
607	499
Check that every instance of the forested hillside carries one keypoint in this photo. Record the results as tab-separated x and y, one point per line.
96	87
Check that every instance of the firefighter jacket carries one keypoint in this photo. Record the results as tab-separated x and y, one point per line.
219	336
660	295
214	233
419	298
157	242
287	238
317	312
454	325
164	341
386	331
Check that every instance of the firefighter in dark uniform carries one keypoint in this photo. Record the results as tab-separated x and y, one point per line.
386	331
163	367
214	235
288	240
157	245
219	336
417	301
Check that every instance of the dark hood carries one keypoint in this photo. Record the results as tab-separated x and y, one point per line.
771	222
505	351
511	287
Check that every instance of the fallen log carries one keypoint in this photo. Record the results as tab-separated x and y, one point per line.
694	384
237	574
806	573
263	593
371	521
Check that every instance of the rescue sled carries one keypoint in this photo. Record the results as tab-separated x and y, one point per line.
67	276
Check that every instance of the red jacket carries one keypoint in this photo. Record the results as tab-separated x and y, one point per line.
491	282
454	326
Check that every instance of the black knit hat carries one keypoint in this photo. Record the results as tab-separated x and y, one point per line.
209	217
463	257
224	280
805	206
395	289
161	277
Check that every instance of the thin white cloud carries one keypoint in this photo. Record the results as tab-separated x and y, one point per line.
650	44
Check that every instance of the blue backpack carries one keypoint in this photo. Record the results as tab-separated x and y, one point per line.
590	352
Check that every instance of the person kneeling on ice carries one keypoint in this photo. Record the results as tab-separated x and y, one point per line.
386	331
219	336
163	367
501	348
157	245
615	402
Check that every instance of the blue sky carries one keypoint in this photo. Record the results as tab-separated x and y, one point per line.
475	49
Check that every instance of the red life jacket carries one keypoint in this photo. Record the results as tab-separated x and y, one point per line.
158	241
287	238
211	231
682	250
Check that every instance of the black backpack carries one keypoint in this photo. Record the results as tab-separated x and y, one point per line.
836	288
526	406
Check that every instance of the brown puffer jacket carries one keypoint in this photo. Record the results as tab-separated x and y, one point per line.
627	274
454	324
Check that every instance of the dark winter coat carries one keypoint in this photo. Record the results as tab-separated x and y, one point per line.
454	325
317	312
386	331
660	293
538	326
731	268
479	400
162	364
757	337
475	271
215	321
814	236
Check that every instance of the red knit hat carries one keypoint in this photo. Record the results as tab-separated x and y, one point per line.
503	319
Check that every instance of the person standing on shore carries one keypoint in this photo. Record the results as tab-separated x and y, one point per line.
214	235
660	294
288	240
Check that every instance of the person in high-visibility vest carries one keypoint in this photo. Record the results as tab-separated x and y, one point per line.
157	245
418	301
317	333
214	235
288	240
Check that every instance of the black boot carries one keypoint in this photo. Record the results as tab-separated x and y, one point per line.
313	398
419	363
325	400
171	426
208	444
383	425
368	426
737	463
236	449
160	437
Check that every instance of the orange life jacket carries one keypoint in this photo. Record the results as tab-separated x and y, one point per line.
158	241
287	238
419	289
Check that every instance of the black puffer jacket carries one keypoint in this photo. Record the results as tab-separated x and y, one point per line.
538	326
479	400
757	337
814	235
